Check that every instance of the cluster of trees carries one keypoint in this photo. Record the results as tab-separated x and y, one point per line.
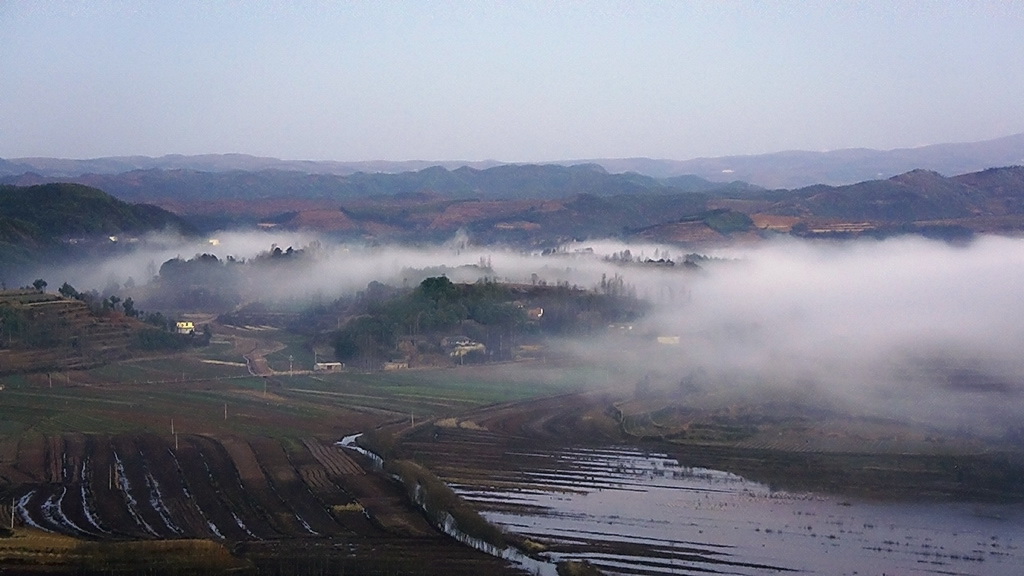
204	281
276	255
112	303
161	337
436	306
494	314
210	283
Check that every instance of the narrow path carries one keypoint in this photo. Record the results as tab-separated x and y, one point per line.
253	350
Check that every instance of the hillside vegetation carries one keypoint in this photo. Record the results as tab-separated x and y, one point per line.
440	322
47	332
42	219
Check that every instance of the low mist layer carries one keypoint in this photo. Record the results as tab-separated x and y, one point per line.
904	327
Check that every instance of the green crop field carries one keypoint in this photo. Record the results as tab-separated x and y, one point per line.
438	392
197	387
295	355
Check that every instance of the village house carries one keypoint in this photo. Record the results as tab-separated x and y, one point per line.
460	346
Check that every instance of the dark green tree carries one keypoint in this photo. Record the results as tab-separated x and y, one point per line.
439	288
68	291
129	308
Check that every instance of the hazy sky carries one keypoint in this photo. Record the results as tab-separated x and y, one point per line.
512	81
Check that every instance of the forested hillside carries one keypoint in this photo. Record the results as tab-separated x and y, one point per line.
44	219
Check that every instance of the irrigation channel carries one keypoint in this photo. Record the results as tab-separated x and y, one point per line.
540	567
632	512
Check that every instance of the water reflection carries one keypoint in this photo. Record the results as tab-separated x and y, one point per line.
630	512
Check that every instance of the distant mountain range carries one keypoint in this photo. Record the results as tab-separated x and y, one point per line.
540	205
508	181
67	168
918	195
919	201
794	169
521	205
791	169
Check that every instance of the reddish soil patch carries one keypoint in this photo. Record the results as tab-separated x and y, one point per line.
683	232
462	213
325	220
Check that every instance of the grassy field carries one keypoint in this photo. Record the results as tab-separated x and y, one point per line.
197	388
295	347
438	392
27	547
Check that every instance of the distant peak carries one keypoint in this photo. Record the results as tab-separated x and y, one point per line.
590	166
918	175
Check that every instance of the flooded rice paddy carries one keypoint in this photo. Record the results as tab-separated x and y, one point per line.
631	512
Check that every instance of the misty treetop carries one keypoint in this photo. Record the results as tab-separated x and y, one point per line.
484	320
207	282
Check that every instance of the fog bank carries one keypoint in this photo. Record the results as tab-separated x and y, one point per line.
902	327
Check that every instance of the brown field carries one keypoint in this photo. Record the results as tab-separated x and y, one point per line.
262	494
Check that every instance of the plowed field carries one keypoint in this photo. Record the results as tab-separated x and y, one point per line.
281	502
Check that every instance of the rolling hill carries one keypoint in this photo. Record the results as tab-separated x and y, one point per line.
50	219
526	205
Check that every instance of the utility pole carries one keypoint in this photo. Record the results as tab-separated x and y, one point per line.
172	426
12	513
225	410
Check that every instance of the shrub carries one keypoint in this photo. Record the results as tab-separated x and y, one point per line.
438	500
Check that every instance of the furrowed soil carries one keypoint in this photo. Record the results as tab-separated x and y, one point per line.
274	503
